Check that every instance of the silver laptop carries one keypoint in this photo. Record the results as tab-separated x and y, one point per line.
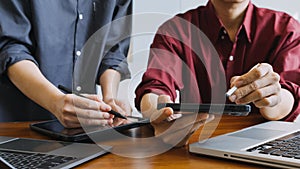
32	153
273	143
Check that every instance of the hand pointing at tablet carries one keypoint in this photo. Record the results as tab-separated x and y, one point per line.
169	125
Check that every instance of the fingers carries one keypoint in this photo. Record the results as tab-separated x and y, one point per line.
91	114
75	122
85	108
125	107
261	93
234	78
173	117
95	122
163	113
257	72
171	130
268	101
181	129
90	102
120	107
77	111
270	82
71	120
260	86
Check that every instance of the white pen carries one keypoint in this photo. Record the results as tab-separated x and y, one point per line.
234	88
231	91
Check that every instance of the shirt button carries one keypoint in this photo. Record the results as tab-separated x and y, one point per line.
80	16
224	31
78	53
231	58
222	37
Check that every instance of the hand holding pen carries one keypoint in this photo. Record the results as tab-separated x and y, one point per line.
116	114
235	84
74	111
259	86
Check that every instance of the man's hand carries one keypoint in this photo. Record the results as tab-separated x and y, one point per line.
172	127
74	111
261	87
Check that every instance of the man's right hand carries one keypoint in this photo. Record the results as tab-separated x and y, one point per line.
75	111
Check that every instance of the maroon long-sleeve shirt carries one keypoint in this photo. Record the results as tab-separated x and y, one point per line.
192	53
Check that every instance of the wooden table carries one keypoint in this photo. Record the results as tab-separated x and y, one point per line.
172	159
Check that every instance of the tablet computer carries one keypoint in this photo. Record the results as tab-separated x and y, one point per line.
55	129
227	109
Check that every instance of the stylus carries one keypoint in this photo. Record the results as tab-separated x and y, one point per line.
234	88
65	89
231	91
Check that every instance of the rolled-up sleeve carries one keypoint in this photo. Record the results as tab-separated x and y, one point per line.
119	35
164	74
15	28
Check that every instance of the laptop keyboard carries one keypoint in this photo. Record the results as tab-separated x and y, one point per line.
33	160
287	146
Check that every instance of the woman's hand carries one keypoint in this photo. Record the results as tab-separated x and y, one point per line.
121	107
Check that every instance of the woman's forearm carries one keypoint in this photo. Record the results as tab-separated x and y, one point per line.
27	77
109	82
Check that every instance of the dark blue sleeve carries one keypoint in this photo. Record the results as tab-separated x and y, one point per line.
119	39
15	28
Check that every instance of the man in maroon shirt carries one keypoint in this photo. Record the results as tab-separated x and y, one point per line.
258	51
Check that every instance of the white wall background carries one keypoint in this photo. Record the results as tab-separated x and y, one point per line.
149	14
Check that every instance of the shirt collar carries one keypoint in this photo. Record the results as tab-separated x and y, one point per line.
216	25
248	21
